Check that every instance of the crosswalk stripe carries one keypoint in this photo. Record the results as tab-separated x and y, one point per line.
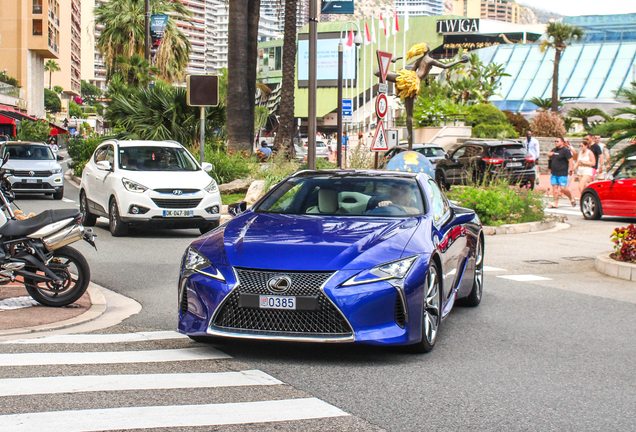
94	383
171	416
76	358
67	200
101	338
565	211
492	269
524	278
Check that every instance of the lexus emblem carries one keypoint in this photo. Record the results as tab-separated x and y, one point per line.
279	284
177	192
31	173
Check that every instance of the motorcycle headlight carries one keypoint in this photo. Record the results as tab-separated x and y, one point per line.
133	186
391	270
196	262
56	170
212	187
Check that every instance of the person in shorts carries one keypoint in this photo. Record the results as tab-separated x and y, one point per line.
598	154
560	166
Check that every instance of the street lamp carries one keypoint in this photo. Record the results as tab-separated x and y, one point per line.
358	41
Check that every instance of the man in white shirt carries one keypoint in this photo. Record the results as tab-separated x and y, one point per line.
532	147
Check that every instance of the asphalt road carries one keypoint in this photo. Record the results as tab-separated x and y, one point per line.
555	352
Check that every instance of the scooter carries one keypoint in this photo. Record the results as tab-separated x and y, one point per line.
36	249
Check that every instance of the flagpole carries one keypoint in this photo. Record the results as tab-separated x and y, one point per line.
364	78
357	88
404	30
395	37
371	66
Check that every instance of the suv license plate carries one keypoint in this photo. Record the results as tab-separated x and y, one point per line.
513	164
178	213
31	180
276	302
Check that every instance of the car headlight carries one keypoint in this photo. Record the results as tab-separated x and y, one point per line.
391	270
212	187
56	171
194	261
133	186
8	172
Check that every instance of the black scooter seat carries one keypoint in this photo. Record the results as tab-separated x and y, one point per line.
15	228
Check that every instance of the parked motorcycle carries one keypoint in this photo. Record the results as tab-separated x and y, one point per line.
37	250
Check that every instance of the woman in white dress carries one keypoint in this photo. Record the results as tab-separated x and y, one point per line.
585	165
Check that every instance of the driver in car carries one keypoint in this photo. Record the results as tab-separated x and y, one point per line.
400	195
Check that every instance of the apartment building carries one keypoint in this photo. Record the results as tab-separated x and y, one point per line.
30	34
419	7
70	57
498	10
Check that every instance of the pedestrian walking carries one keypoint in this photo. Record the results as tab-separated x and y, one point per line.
54	148
574	158
598	154
531	145
360	138
606	153
560	166
584	166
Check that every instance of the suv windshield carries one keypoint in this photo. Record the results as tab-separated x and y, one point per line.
29	152
431	151
156	159
346	196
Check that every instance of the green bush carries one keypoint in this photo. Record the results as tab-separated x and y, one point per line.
228	166
501	131
37	131
80	151
52	102
518	121
485	113
500	203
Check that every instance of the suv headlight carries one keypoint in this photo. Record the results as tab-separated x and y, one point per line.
56	170
212	187
133	186
194	261
391	270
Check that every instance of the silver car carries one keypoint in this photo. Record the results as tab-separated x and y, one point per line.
33	168
322	151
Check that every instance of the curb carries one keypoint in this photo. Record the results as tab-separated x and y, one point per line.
617	269
68	175
519	228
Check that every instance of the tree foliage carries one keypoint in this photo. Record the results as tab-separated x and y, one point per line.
518	121
547	124
621	128
583	115
74	110
51	66
90	92
488	121
37	131
52	102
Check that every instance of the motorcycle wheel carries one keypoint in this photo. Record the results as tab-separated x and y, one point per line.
72	268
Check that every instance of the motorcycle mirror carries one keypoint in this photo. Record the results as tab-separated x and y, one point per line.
5	159
236	209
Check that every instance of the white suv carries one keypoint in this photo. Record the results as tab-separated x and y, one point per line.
159	182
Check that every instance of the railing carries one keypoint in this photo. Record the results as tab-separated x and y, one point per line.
9	90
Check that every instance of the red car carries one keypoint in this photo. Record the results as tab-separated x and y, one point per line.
613	197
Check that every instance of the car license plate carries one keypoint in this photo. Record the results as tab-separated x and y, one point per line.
178	213
276	302
513	164
31	180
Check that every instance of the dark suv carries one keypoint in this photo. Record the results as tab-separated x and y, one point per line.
476	161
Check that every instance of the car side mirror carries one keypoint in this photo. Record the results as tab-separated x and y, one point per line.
446	156
237	208
207	166
611	177
59	158
104	166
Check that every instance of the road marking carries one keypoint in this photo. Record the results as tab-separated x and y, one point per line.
171	416
492	269
524	278
566	211
67	200
101	338
17	303
94	383
78	358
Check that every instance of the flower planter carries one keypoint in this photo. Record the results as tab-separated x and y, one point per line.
609	266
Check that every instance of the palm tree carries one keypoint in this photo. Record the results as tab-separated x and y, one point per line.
621	128
584	114
124	35
51	66
242	62
543	104
559	37
136	70
285	136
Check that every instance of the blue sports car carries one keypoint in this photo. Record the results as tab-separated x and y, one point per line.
362	256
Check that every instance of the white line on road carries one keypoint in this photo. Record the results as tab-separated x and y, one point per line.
101	338
94	383
566	211
170	416
76	358
524	278
67	200
493	269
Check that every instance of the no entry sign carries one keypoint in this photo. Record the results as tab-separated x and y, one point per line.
381	106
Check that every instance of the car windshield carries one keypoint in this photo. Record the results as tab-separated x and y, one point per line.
29	152
506	151
431	151
156	159
346	196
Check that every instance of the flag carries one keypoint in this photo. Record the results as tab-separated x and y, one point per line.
373	40
382	26
396	26
406	20
367	36
350	39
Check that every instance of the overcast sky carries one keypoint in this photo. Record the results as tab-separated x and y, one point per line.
583	7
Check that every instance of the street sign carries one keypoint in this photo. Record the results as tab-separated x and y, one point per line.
203	90
347	110
392	137
384	61
383	88
379	139
381	105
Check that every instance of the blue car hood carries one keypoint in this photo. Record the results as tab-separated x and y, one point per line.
312	243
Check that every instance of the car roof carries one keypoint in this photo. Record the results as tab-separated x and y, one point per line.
420	145
16	143
143	143
355	172
492	143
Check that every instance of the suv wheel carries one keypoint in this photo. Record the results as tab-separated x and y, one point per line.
59	194
116	226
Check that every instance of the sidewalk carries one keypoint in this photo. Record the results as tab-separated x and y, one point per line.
544	184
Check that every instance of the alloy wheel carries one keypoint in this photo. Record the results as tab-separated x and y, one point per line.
114	213
588	206
431	306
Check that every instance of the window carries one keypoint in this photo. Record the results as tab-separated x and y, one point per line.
37	27
439	205
156	159
627	170
459	152
279	59
101	154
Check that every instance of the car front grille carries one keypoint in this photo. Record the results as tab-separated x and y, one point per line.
176	203
325	321
17	186
28	173
171	191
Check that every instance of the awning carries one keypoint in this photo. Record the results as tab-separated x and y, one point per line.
8	111
6	120
56	130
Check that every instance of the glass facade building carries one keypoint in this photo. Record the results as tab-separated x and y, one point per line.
605	28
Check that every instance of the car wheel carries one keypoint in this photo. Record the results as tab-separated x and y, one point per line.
58	195
209	227
440	178
474	298
116	226
431	310
590	206
88	219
